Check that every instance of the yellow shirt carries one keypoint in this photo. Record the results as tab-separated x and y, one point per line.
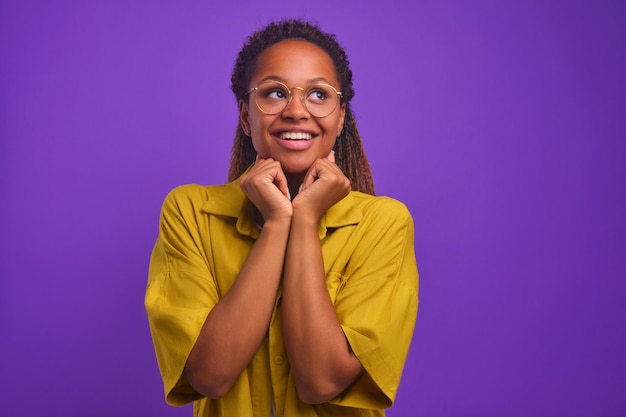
206	233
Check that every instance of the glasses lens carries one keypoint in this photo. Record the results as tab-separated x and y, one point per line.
272	97
320	100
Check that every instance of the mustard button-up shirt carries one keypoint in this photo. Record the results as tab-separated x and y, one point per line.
206	233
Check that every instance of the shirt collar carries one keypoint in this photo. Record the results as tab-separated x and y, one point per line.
230	201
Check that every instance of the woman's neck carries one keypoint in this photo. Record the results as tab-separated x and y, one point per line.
294	181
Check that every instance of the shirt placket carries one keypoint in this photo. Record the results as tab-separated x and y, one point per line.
279	365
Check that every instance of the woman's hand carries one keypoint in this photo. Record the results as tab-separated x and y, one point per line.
266	186
324	185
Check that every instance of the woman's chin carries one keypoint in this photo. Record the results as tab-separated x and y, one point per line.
296	167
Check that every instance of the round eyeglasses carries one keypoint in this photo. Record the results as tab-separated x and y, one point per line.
272	97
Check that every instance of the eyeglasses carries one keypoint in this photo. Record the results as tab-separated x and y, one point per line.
272	97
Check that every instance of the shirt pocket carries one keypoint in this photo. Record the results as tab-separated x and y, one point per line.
334	283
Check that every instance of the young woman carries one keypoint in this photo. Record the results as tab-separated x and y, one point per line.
291	290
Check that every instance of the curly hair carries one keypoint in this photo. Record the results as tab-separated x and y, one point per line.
349	153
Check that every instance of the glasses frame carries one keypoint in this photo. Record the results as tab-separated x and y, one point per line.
302	98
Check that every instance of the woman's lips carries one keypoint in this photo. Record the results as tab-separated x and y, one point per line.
295	136
295	141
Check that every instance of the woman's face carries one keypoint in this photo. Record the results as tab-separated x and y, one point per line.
294	137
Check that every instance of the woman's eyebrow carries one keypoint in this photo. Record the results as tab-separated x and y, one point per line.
317	80
282	80
272	78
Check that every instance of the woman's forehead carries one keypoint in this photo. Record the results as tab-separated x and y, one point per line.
295	61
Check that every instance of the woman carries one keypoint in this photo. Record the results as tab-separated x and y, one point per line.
291	290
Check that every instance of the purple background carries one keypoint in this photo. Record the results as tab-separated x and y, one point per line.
500	124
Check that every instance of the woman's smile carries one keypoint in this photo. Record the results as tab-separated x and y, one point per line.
295	140
296	136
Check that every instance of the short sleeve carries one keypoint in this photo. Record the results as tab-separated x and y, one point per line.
180	292
377	303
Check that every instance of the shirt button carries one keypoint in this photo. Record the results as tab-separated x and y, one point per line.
279	360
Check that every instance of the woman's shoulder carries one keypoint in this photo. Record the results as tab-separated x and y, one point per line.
192	191
192	195
380	205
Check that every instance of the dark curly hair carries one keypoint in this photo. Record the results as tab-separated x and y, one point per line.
349	153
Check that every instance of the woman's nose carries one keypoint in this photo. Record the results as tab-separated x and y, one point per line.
295	108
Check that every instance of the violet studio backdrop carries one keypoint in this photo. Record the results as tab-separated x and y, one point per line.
500	124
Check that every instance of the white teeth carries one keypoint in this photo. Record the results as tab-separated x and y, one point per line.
296	136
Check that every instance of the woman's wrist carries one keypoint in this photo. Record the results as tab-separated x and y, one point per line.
306	218
278	224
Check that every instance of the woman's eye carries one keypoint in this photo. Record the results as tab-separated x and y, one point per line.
276	94
317	95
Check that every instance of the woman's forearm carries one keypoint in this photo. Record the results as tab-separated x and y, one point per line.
235	328
318	351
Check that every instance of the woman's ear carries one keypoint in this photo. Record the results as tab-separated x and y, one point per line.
342	118
243	117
